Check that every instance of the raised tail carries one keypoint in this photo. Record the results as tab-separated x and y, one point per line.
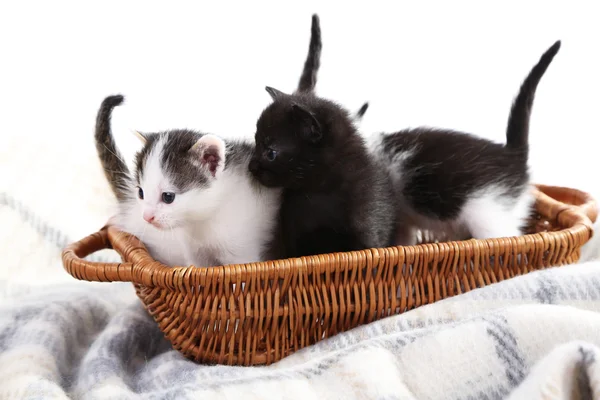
115	169
308	80
361	111
517	132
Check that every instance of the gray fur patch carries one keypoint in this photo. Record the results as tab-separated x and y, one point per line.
179	163
142	156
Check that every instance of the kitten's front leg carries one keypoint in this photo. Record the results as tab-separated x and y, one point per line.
190	256
205	259
406	235
198	256
248	256
403	235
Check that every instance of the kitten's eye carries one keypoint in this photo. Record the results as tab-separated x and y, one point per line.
270	154
140	193
168	197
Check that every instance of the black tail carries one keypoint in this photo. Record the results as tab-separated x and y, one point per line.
361	111
308	80
517	132
115	169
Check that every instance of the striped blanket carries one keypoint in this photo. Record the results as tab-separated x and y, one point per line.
532	337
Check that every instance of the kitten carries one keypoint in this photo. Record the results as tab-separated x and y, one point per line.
336	197
461	185
191	200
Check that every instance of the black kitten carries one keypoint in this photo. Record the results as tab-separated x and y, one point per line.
462	185
336	197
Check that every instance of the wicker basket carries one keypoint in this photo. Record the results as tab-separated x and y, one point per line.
258	313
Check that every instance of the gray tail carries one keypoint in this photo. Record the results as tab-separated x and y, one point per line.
361	111
308	80
517	132
115	169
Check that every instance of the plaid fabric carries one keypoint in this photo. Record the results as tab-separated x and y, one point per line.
531	337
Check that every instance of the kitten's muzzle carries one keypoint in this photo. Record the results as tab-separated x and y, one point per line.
254	166
262	175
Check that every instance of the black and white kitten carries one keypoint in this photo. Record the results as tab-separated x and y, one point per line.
336	197
191	199
461	185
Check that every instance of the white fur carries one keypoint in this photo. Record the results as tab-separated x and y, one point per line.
491	214
487	214
228	222
242	220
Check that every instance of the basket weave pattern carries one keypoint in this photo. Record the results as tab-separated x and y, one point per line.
258	313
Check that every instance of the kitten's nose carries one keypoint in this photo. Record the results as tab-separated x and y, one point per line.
148	216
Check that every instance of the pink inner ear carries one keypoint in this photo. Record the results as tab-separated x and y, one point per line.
211	158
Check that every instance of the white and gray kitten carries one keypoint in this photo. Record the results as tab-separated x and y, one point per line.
191	199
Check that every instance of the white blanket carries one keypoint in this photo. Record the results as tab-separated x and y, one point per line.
533	337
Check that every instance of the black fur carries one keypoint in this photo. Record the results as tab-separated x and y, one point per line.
308	79
336	197
517	133
441	168
362	110
445	167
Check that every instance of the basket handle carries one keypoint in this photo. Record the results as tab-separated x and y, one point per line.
73	254
576	200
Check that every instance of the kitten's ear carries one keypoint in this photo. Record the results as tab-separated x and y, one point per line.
274	93
140	136
210	153
313	132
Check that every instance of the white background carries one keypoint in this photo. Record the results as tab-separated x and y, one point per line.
204	65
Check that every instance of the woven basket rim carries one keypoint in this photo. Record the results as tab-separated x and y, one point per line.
577	211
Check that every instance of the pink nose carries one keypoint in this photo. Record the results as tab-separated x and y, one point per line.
148	216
